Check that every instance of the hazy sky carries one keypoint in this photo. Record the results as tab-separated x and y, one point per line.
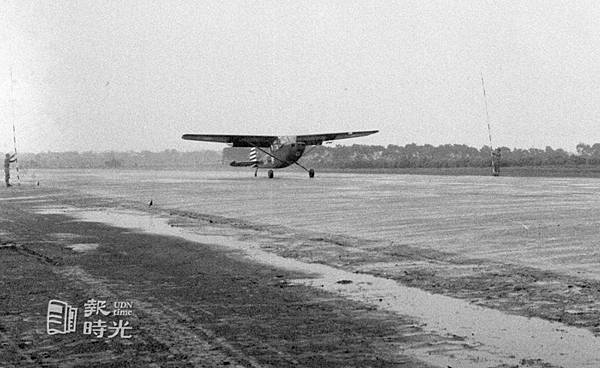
136	75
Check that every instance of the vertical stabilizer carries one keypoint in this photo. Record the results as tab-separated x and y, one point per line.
253	156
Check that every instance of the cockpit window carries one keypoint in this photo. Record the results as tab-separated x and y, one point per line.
280	141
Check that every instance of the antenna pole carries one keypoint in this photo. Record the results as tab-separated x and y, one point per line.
12	105
487	119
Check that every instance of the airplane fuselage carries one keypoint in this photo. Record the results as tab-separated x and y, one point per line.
282	155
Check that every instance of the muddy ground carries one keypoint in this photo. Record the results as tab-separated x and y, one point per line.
199	305
193	305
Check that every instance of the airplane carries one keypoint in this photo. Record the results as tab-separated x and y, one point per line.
278	151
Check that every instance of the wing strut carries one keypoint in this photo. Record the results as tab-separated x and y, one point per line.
265	152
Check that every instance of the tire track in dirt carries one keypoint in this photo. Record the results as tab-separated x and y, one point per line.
198	345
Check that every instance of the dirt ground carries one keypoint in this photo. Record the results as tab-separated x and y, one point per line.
193	305
198	305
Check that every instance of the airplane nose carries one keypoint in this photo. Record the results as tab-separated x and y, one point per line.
300	146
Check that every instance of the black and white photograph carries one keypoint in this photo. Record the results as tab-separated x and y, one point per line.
309	183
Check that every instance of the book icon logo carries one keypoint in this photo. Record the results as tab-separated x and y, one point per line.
62	318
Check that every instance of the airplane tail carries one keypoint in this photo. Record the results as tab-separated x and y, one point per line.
252	159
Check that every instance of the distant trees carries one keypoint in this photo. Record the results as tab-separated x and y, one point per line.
589	154
445	156
355	156
115	160
113	163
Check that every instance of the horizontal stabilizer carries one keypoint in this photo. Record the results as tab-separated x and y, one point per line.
243	163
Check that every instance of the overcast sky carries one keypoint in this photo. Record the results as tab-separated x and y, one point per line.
136	75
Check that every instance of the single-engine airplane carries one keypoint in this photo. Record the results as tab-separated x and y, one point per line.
278	152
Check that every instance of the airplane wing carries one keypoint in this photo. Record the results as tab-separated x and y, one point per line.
235	140
318	139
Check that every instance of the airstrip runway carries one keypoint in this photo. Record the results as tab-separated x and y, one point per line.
362	270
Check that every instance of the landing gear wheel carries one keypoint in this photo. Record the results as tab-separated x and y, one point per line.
311	173
270	174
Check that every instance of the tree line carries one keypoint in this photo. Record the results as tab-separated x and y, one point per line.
355	156
445	156
115	160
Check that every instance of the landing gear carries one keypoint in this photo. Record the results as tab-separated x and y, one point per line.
270	174
311	173
255	172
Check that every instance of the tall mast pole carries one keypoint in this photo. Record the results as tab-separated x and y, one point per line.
12	106
487	119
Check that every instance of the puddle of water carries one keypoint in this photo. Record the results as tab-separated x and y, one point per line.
22	198
494	337
65	236
83	247
55	210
